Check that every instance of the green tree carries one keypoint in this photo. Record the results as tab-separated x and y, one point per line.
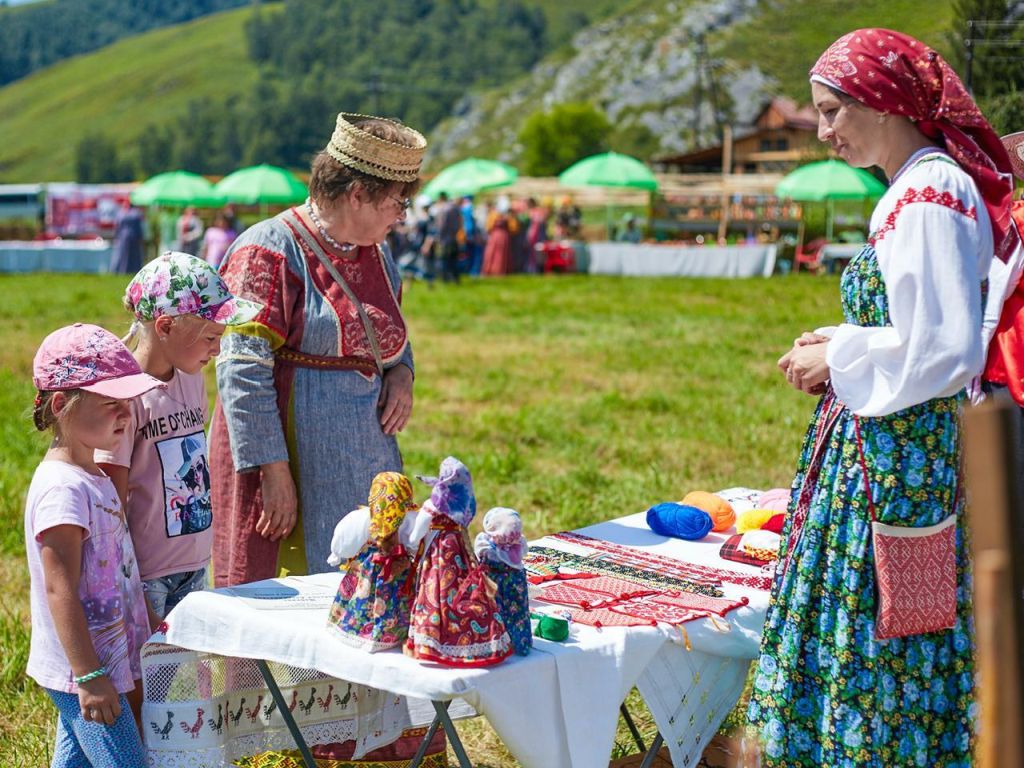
1006	112
554	140
155	149
635	139
97	161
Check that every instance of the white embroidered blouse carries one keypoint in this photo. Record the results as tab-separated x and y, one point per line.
933	241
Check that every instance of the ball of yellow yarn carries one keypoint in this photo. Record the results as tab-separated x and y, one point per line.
720	510
753	519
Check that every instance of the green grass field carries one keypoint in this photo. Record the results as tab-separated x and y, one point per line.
572	399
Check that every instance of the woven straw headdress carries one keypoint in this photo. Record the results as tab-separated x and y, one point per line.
352	146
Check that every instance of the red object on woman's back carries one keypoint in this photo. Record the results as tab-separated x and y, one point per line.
1006	352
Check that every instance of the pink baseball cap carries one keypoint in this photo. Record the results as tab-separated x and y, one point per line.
83	356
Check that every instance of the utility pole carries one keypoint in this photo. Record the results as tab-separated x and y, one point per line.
712	89
698	93
969	48
374	88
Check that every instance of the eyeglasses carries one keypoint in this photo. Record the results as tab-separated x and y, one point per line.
404	203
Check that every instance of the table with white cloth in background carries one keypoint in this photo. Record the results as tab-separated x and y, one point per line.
835	256
559	706
55	256
655	260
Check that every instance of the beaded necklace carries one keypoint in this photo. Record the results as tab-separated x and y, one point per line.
343	247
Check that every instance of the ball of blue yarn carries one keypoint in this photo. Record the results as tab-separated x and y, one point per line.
679	520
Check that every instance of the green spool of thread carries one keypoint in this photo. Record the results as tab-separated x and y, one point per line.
551	627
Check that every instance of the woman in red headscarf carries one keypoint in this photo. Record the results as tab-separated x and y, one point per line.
850	673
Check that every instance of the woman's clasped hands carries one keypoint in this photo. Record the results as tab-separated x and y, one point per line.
804	365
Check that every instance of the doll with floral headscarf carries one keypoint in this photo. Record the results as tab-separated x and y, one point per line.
371	608
500	549
455	619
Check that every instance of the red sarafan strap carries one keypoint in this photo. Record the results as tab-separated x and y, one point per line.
864	466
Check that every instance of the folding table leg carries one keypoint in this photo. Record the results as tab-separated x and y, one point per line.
652	753
632	727
422	751
441	708
282	707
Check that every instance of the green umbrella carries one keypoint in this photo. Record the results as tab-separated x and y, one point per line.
266	184
469	177
829	180
609	170
176	188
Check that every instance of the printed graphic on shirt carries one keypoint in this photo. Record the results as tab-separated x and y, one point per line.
186	474
110	567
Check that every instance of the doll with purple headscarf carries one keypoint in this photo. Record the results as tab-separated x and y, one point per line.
455	619
500	549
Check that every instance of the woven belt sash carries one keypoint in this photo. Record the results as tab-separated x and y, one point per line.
293	357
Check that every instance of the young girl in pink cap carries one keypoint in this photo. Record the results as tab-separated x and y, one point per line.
160	466
88	614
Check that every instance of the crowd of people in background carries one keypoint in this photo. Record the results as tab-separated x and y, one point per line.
448	238
183	232
440	239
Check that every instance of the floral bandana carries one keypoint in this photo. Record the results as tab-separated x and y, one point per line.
892	72
179	284
389	500
502	539
452	493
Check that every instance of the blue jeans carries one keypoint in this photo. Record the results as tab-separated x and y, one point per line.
165	592
83	743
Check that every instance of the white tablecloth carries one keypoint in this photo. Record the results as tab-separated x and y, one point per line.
556	707
55	256
690	692
834	251
652	260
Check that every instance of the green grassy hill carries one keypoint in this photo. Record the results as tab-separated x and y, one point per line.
637	65
118	90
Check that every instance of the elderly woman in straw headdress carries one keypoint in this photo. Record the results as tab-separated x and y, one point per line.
314	390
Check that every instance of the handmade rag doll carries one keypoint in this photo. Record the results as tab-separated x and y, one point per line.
455	619
500	549
371	608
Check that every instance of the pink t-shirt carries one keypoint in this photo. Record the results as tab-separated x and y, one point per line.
215	244
109	587
164	448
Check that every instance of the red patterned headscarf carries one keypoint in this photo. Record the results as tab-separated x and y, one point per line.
894	73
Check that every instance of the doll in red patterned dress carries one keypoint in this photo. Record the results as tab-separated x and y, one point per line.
455	619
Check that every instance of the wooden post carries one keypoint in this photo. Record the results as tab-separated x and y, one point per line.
723	221
994	518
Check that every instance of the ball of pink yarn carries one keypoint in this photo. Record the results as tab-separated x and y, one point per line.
777	499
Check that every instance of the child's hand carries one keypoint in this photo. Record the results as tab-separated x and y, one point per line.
99	700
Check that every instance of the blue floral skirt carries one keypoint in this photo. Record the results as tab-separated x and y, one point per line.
826	692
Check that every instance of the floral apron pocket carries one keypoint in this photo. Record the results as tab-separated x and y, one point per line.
915	572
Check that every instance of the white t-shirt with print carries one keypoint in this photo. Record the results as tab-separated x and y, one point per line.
109	586
169	509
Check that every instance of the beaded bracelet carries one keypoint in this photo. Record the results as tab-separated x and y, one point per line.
90	676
